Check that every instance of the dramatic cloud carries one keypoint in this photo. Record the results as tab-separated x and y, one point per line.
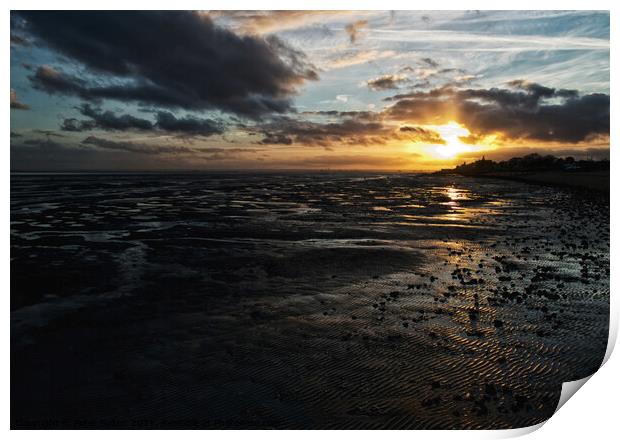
353	29
211	81
386	82
526	111
351	128
104	120
165	121
15	102
347	131
50	80
134	147
169	58
73	124
211	153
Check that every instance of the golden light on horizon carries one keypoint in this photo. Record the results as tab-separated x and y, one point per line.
451	132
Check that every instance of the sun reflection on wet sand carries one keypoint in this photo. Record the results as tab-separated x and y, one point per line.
457	194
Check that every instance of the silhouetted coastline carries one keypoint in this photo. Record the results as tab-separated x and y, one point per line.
544	170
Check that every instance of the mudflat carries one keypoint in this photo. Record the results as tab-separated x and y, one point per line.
292	300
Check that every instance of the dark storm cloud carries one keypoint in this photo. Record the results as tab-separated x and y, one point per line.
53	81
271	138
165	121
421	109
525	111
348	131
575	120
134	147
15	102
205	66
540	91
345	131
50	80
154	150
73	124
386	82
107	120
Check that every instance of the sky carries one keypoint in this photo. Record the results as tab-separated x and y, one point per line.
351	90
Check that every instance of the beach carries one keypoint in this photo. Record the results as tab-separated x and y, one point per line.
301	300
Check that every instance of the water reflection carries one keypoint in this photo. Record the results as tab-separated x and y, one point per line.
452	196
457	194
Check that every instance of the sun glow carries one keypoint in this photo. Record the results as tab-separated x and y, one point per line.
451	132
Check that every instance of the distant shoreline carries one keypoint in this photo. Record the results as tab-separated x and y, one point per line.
590	180
542	170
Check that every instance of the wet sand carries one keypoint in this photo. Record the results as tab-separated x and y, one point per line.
301	300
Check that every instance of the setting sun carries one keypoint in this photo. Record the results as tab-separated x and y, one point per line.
451	133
